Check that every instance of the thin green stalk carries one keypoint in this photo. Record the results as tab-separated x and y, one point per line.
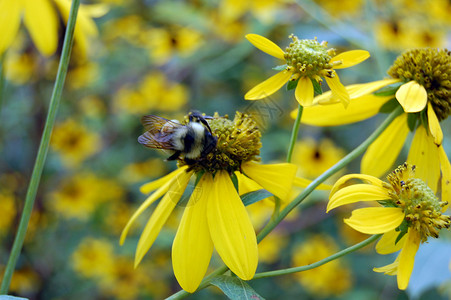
307	191
294	133
320	262
43	148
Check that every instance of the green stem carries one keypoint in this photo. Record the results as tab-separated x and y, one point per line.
43	148
307	191
294	133
318	263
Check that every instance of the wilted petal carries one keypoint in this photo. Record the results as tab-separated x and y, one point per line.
365	178
265	45
407	258
304	92
356	193
10	12
269	86
161	214
434	126
382	153
42	23
192	247
338	89
387	244
276	178
350	58
412	97
446	176
423	154
375	220
391	269
230	228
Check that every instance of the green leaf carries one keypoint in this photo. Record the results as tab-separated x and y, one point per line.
403	230
412	121
234	180
292	84
389	106
280	68
255	196
317	87
389	90
235	288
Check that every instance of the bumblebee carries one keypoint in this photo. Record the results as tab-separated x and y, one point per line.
190	142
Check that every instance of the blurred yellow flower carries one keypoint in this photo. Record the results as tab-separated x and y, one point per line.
263	10
331	279
74	142
269	249
409	214
25	281
42	21
9	211
139	171
306	61
341	8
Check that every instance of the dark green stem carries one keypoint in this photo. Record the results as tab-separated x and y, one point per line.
43	149
294	133
318	263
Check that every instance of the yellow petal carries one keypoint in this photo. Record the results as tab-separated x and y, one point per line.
151	186
391	269
230	228
192	246
382	153
336	114
269	86
161	214
276	178
356	193
412	97
10	14
375	220
349	58
387	244
365	178
304	92
407	258
434	126
446	177
42	24
338	89
423	154
303	183
265	45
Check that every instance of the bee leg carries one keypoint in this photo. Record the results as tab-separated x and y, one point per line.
174	156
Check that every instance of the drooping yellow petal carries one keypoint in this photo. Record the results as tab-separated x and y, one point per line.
407	258
387	244
41	20
423	154
303	183
391	269
349	58
446	177
192	246
230	228
344	179
304	92
269	86
356	193
10	12
375	220
153	185
161	214
336	114
265	45
382	153
276	178
338	89
434	126
412	96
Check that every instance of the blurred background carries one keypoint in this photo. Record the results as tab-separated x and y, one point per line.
133	58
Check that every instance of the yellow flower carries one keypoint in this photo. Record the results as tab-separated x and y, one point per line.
422	88
215	216
9	211
306	61
42	21
409	214
263	10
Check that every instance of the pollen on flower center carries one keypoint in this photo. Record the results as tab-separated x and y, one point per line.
238	142
430	68
422	209
309	57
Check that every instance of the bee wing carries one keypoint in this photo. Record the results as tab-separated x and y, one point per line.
159	131
157	141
